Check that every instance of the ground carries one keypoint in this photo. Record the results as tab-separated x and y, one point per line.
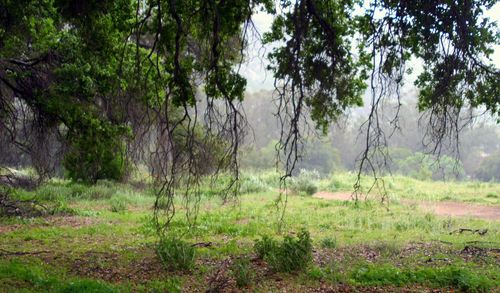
430	235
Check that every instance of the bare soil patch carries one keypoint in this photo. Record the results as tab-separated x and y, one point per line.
440	208
53	221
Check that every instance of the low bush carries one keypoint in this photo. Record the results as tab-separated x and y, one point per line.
292	254
306	183
117	204
176	254
252	183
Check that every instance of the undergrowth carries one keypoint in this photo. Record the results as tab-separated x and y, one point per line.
289	255
176	254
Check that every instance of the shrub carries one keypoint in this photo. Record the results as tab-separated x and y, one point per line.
61	208
426	167
293	254
252	183
265	246
242	272
117	205
320	156
489	169
270	178
99	192
175	254
306	183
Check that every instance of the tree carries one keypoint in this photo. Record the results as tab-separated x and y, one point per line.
127	64
489	169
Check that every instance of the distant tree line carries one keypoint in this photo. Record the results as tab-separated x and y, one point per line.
478	156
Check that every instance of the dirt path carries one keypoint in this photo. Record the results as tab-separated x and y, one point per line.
441	208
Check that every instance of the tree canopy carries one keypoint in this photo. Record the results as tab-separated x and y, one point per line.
110	79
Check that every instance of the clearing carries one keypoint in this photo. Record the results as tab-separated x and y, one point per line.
440	208
434	236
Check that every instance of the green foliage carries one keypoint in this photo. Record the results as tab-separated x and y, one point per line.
425	167
171	285
489	169
176	254
70	191
306	183
242	272
292	254
118	204
320	156
96	152
329	242
35	277
450	276
260	159
86	286
252	184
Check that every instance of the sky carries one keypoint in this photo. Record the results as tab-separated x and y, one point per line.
254	68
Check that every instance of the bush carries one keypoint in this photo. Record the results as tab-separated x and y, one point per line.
96	151
489	169
242	272
426	167
320	156
252	183
117	205
306	183
293	254
176	255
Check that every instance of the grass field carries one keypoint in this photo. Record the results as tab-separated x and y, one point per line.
101	239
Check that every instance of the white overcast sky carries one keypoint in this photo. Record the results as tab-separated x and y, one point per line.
259	78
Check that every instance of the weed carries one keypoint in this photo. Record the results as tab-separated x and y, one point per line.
117	204
329	242
491	195
306	183
450	276
387	249
293	254
86	286
242	272
171	285
265	246
34	276
176	255
252	184
61	208
315	273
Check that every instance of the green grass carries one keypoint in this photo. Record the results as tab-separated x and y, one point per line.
16	276
401	187
362	244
